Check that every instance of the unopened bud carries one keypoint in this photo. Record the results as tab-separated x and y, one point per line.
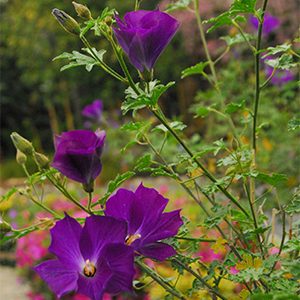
21	158
88	187
66	21
82	11
42	160
4	227
22	144
108	20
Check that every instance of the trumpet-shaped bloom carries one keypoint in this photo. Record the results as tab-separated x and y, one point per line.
147	223
93	111
90	260
77	154
144	35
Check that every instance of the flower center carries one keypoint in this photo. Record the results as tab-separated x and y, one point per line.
89	269
131	238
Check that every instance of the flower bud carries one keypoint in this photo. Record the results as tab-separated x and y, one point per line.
21	158
22	144
66	21
82	11
42	160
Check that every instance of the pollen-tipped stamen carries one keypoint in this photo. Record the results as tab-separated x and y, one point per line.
89	269
131	238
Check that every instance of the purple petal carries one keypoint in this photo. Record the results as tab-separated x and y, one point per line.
93	110
58	276
144	35
77	154
167	226
94	287
120	259
122	206
159	251
65	242
97	232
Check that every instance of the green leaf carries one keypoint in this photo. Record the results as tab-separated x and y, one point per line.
293	206
114	184
8	194
144	98
294	124
278	49
77	59
143	162
176	125
196	69
201	111
234	107
180	4
237	39
223	19
275	179
284	62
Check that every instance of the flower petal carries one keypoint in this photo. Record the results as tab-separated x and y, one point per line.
167	226
65	242
120	259
99	231
159	251
58	276
122	206
94	287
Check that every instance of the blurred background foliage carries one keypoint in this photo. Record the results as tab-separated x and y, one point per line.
38	100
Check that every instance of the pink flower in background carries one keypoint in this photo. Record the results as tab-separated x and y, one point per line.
33	296
31	248
208	255
233	270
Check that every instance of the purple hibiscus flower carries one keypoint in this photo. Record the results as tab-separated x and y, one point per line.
147	224
77	154
143	35
90	260
271	23
93	111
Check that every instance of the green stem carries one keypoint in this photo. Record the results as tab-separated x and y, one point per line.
161	281
256	103
194	239
198	277
89	206
200	165
123	65
203	39
49	210
67	194
257	77
103	65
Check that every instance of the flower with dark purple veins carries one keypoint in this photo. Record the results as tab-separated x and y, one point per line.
90	260
271	23
144	35
77	154
93	111
147	223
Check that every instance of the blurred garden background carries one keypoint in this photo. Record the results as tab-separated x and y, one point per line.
38	101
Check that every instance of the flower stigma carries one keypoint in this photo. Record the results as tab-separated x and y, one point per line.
131	238
89	269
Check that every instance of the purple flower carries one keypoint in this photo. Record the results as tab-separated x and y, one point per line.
147	224
270	23
280	77
93	111
77	154
143	35
90	260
